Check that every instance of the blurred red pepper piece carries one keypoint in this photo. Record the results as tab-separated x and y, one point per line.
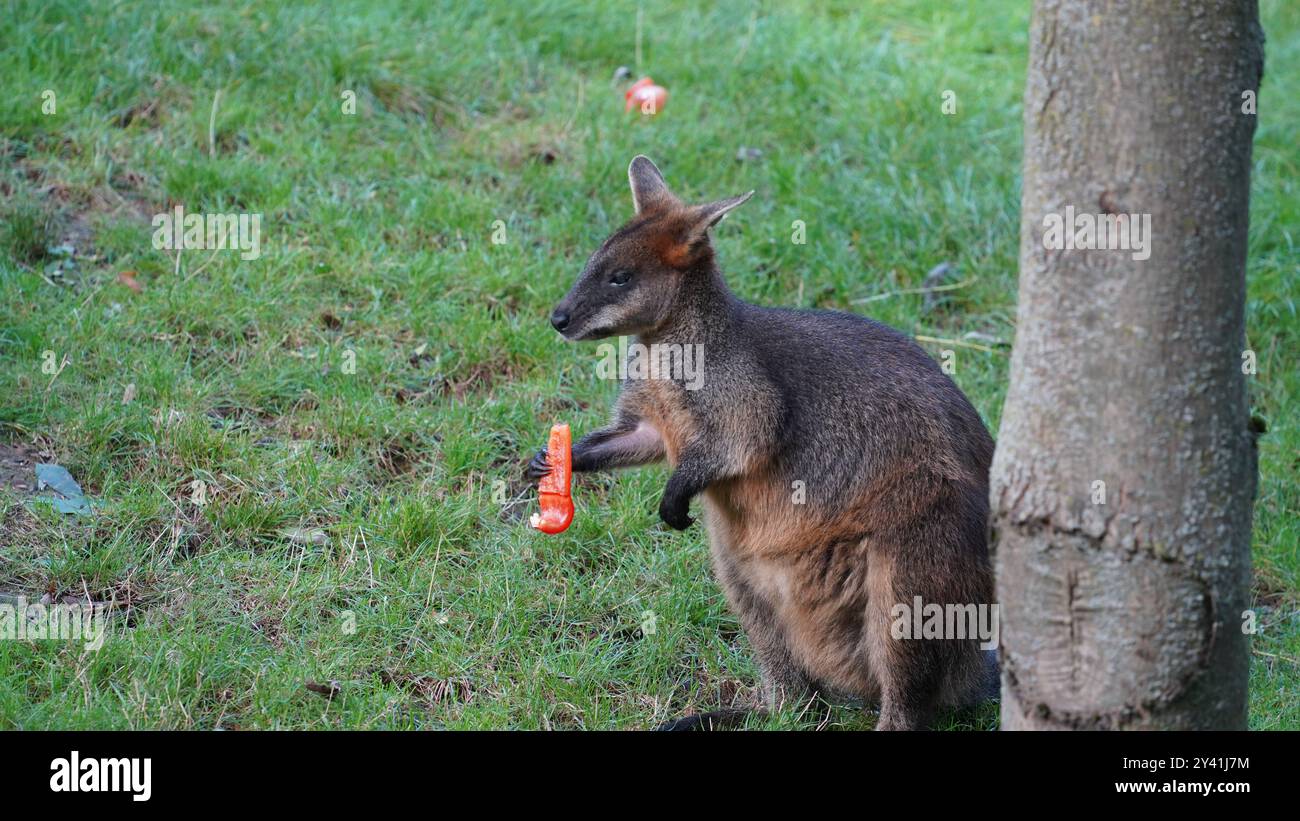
647	97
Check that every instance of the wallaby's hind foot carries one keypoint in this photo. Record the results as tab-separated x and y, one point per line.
894	716
913	698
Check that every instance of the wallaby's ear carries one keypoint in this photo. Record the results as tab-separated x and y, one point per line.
710	214
649	191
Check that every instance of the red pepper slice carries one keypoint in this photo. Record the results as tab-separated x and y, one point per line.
553	488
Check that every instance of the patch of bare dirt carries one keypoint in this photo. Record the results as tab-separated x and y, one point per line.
398	457
1272	590
18	466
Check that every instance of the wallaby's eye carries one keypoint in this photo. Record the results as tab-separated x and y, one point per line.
620	277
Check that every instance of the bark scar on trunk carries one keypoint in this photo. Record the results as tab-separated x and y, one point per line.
1081	656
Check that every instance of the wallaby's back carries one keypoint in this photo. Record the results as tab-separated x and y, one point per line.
860	396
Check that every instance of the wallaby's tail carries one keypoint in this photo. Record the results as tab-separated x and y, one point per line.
715	720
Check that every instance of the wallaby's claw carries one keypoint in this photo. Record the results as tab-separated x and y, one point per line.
538	467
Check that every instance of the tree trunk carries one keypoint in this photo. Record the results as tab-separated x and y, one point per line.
1122	603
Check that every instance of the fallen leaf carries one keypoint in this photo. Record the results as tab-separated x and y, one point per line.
57	478
77	506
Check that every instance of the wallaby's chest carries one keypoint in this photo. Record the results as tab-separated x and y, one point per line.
664	404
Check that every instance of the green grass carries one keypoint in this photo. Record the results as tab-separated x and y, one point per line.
377	245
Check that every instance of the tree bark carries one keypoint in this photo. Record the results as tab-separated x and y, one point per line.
1128	372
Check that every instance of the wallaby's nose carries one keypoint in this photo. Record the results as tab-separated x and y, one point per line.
559	320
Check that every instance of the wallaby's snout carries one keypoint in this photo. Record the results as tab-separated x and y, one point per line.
573	316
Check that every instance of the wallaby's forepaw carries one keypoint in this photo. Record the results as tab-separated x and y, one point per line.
675	513
538	467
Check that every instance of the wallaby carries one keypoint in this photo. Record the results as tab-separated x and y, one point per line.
842	472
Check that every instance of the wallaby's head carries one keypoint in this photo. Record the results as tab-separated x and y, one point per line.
635	280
